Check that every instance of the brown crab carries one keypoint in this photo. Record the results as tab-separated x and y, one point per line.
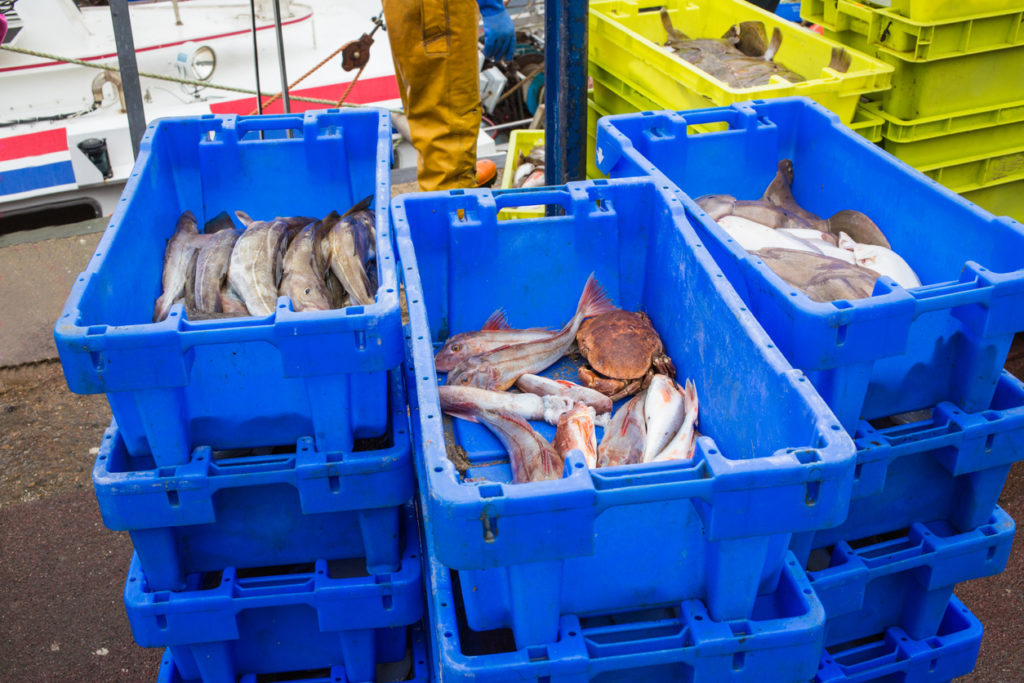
623	351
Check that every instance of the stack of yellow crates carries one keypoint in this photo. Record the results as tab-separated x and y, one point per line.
956	107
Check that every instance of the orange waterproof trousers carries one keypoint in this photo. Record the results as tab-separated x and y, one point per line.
434	46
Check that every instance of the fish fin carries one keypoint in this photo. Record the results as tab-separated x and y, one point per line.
840	60
691	394
244	218
361	205
672	31
496	321
594	300
774	45
467	415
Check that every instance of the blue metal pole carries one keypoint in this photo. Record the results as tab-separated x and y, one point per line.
565	90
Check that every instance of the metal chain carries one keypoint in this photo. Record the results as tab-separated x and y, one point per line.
173	79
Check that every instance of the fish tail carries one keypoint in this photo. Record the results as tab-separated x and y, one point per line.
463	410
690	393
497	321
161	309
594	300
244	218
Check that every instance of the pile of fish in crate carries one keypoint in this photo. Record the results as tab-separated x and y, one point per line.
260	455
737	413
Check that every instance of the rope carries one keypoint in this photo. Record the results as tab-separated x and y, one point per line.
173	79
301	78
341	102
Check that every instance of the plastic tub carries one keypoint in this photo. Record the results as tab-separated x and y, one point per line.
260	510
627	38
522	548
240	382
895	656
896	351
281	619
1004	199
904	579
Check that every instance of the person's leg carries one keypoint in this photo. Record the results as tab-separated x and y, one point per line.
434	46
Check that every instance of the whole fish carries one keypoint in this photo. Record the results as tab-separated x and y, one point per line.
495	333
575	431
303	280
811	235
527	406
190	286
499	369
663	414
177	259
682	445
222	221
820	277
577	393
754	236
859	227
351	248
530	456
625	436
255	268
881	260
212	269
535	179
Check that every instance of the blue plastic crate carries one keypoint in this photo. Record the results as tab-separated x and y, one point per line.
897	351
790	11
781	641
641	535
895	656
291	618
949	467
904	579
232	383
260	510
416	659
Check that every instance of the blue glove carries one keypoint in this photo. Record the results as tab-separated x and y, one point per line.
499	33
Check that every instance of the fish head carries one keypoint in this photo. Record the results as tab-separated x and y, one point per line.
474	372
452	353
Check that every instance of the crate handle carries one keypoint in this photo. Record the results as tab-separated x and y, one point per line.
973	288
529	196
738	117
247	124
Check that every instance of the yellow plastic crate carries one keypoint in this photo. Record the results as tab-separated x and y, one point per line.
937	10
867	123
523	140
894	33
626	39
1004	199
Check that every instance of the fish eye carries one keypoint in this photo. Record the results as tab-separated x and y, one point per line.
455	348
307	290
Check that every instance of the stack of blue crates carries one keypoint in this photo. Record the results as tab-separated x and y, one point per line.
667	571
262	465
914	376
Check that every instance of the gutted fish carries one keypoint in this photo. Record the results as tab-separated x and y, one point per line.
212	270
663	414
177	262
351	241
625	436
545	386
454	401
575	432
303	280
530	456
682	445
255	268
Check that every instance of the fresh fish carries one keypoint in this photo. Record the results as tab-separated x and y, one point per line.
754	236
212	268
663	414
545	386
717	205
244	218
535	179
625	436
231	304
303	280
351	241
881	260
811	235
820	277
255	268
575	431
780	193
682	445
527	406
222	221
495	333
177	259
190	286
499	369
523	172
530	456
858	226
765	213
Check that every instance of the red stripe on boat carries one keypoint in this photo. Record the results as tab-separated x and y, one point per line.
33	144
365	91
